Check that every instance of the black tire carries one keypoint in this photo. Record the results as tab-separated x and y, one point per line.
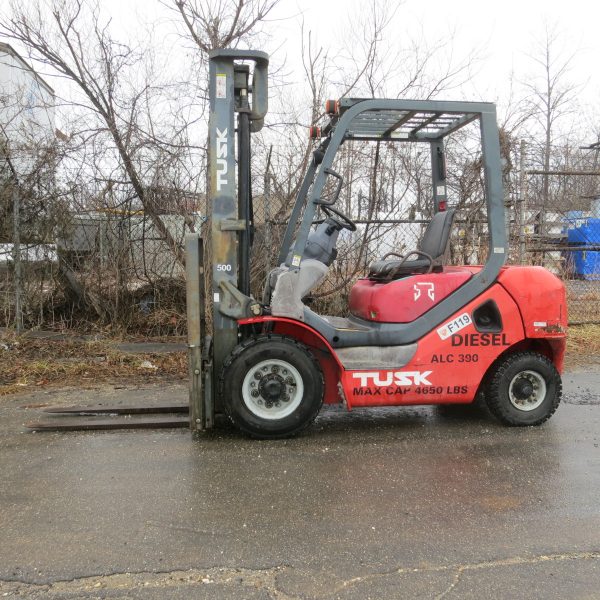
244	410
510	382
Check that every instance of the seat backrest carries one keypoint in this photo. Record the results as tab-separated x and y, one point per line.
435	238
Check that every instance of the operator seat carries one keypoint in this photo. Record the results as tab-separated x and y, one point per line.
429	253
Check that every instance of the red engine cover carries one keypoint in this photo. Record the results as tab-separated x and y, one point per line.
406	299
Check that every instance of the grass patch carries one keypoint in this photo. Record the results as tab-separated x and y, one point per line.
28	362
583	344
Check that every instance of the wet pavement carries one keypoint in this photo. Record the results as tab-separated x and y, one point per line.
390	503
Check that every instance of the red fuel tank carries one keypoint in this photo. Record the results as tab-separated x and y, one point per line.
406	299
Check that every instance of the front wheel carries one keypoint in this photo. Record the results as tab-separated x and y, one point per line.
523	389
272	387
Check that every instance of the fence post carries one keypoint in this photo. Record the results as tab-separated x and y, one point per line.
521	202
18	276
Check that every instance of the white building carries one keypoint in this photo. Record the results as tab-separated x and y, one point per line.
26	114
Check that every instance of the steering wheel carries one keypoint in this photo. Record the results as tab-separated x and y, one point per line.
342	220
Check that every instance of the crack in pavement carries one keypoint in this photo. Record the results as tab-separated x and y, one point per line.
244	577
453	583
459	569
517	560
260	578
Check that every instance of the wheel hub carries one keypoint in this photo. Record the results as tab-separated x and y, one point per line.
272	389
527	390
522	389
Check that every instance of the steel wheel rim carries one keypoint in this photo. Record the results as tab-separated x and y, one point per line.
535	399
256	398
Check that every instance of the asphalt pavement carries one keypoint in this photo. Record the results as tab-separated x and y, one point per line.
388	503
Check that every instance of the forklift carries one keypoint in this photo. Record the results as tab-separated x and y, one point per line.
417	331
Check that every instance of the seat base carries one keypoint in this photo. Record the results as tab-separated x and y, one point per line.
404	300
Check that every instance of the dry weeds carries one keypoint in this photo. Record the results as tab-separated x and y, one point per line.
583	345
28	362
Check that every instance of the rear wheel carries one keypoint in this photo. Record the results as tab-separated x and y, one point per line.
272	386
524	389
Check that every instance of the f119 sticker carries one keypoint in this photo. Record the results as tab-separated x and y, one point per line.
446	330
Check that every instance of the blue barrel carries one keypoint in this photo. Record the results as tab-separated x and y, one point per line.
587	235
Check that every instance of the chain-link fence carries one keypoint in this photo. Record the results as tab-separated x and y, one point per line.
114	266
124	271
557	222
568	244
105	267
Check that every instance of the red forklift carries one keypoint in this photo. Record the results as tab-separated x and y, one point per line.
417	331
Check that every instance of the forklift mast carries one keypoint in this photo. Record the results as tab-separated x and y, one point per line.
234	89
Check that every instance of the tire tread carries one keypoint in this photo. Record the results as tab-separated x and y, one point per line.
493	392
256	341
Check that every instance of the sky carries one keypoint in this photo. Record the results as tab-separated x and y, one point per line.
499	34
502	33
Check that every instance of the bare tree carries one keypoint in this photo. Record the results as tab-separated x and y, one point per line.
214	24
551	94
72	38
